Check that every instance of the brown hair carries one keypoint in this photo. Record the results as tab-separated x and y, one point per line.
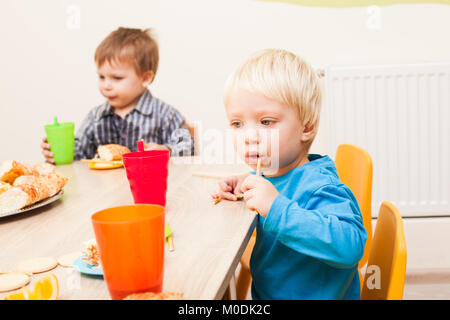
130	45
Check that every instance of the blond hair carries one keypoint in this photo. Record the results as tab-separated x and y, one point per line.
135	46
282	76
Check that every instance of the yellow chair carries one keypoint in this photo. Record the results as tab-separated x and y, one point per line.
354	167
386	268
244	277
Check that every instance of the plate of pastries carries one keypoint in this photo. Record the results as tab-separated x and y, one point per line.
24	187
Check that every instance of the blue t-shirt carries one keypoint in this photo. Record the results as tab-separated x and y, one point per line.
310	243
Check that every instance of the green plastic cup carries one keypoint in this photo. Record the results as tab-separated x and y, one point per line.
61	138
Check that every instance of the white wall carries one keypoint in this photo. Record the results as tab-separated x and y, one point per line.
47	68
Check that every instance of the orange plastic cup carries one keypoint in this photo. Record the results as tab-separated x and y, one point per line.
130	240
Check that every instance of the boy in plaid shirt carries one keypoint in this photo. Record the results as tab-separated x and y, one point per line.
127	61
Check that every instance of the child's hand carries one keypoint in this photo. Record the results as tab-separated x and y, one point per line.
46	151
259	194
228	188
155	146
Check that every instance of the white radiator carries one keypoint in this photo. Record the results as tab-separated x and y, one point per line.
400	114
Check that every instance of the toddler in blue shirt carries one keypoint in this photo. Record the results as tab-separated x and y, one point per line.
309	235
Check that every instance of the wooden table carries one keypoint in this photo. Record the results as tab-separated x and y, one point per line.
209	239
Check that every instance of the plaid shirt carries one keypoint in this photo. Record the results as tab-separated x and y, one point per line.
151	119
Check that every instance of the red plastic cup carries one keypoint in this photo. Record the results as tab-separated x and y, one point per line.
130	240
147	173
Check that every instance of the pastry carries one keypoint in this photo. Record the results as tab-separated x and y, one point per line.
28	189
4	186
111	152
43	168
54	181
37	183
91	253
10	170
18	197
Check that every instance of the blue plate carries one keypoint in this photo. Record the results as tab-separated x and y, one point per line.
85	268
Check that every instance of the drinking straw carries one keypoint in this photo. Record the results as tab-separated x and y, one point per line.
170	243
140	145
258	167
55	121
258	173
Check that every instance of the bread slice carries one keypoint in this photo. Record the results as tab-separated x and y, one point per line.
17	197
10	170
111	152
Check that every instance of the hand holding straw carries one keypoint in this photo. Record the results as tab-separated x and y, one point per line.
240	196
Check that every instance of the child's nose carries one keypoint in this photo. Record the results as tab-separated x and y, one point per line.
252	136
106	85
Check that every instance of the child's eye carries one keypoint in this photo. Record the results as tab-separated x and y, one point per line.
118	78
101	77
266	122
236	124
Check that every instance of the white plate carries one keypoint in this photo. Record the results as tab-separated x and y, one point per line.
35	205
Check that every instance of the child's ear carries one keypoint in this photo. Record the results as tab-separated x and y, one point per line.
309	131
147	78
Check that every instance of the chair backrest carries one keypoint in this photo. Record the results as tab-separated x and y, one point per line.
354	167
386	269
194	133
